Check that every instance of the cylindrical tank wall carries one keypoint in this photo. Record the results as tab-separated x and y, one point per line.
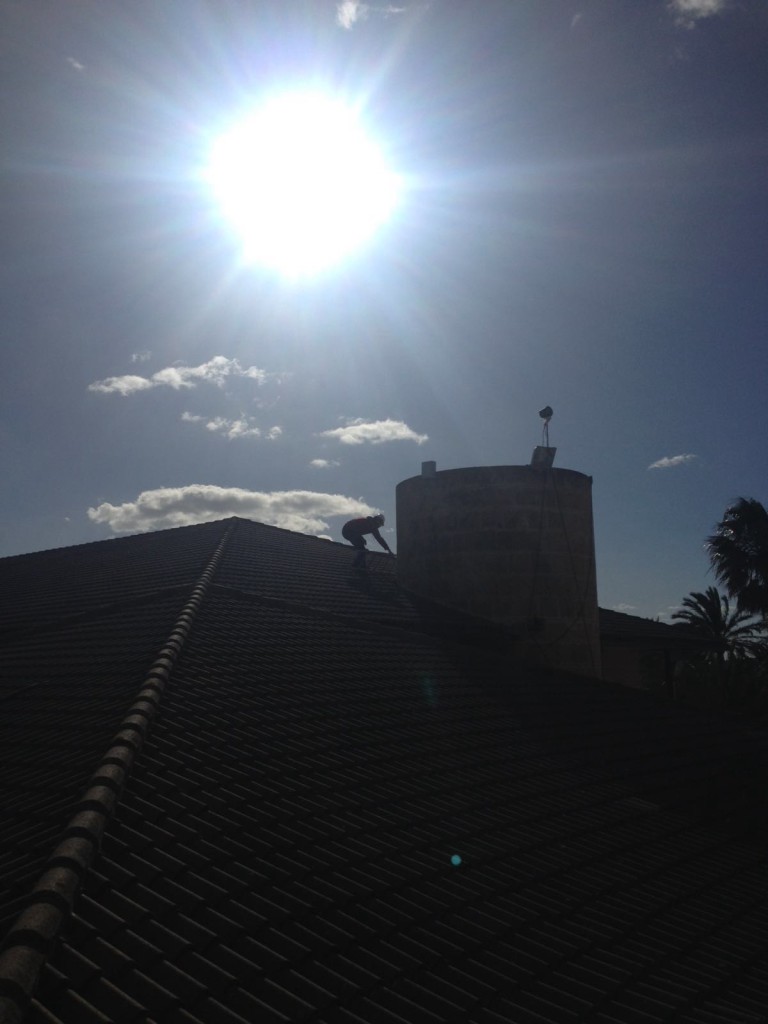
511	544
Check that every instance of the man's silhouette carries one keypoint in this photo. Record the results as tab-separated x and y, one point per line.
355	532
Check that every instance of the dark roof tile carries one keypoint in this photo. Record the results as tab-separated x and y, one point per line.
39	1014
100	919
212	1011
107	999
111	961
209	973
223	924
69	1006
180	1016
126	946
169	941
237	957
78	969
190	932
126	909
154	992
150	900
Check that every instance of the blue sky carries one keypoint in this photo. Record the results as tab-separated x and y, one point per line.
583	223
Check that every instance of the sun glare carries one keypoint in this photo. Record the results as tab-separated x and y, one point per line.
302	183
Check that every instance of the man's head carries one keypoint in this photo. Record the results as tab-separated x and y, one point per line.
378	520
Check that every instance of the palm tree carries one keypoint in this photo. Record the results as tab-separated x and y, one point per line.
710	615
738	550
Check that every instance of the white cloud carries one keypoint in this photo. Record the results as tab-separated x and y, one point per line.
376	432
688	12
125	385
141	357
667	614
672	460
625	608
349	12
324	463
233	428
215	371
165	507
242	427
245	426
75	64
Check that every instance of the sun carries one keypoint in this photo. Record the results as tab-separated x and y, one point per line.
301	182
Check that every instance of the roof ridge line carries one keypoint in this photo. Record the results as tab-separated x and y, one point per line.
31	937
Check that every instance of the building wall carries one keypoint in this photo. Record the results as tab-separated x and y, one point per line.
640	668
511	544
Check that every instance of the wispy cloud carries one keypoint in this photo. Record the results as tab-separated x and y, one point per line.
349	12
141	357
233	428
625	608
375	432
666	614
688	12
324	463
244	426
165	507
128	384
75	64
215	371
672	460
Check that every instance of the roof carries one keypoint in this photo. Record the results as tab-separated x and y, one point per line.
620	630
271	795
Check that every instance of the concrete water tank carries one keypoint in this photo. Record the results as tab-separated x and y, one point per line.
511	544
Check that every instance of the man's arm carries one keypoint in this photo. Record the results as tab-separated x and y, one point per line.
380	539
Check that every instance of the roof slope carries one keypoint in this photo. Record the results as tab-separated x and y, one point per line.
333	820
78	629
50	586
620	629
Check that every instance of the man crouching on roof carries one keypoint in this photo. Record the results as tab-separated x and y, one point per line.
354	531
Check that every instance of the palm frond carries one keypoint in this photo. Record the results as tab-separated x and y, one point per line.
738	551
710	615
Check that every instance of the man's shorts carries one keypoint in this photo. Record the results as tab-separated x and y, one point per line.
357	540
